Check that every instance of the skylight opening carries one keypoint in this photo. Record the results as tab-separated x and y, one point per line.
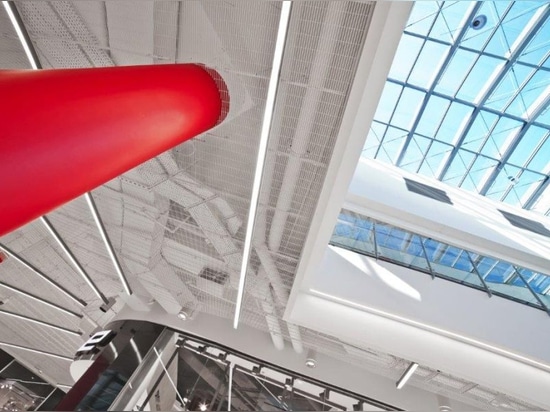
497	83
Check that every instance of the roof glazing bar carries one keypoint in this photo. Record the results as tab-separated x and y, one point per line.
461	101
537	22
450	54
537	297
537	193
513	145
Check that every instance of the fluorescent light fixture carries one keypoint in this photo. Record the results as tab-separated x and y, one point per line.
40	322
43	276
262	150
442	332
107	242
407	375
72	258
41	352
40	300
20	34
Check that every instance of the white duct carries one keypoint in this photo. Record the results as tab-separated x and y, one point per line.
193	196
319	70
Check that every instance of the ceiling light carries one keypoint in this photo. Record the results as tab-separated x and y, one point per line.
107	242
40	300
41	352
40	322
311	359
183	315
43	276
20	34
310	363
406	376
203	406
262	150
76	264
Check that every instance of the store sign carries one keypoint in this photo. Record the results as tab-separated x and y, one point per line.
98	340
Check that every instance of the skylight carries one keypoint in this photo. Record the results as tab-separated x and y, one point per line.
470	105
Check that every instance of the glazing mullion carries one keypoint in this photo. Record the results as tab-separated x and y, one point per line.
464	102
450	53
496	81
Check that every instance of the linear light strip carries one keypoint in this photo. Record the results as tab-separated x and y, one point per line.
434	329
43	276
407	375
262	151
72	258
22	38
40	322
41	352
107	243
40	300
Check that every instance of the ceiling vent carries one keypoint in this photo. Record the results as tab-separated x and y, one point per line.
428	191
526	224
212	281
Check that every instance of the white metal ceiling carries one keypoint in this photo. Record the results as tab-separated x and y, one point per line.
176	222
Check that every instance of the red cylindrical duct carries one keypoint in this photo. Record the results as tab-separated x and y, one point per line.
65	132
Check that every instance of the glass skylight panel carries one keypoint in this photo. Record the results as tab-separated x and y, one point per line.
422	17
384	241
405	57
428	63
437	153
491	87
478	78
460	66
454	119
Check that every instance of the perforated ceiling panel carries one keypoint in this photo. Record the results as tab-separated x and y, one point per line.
177	222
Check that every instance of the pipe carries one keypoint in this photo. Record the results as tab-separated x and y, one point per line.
52	158
306	121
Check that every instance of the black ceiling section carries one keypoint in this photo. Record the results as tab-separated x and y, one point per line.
428	191
527	224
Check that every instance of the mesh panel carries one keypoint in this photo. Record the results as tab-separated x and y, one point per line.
182	214
12	56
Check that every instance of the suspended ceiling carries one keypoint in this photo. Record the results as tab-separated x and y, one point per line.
177	222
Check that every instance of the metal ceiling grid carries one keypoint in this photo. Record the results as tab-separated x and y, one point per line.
164	243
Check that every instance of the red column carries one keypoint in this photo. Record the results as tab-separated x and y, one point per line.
65	132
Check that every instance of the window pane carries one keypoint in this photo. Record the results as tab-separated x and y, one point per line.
432	116
456	72
453	122
479	131
478	78
408	49
407	108
387	102
429	61
422	17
